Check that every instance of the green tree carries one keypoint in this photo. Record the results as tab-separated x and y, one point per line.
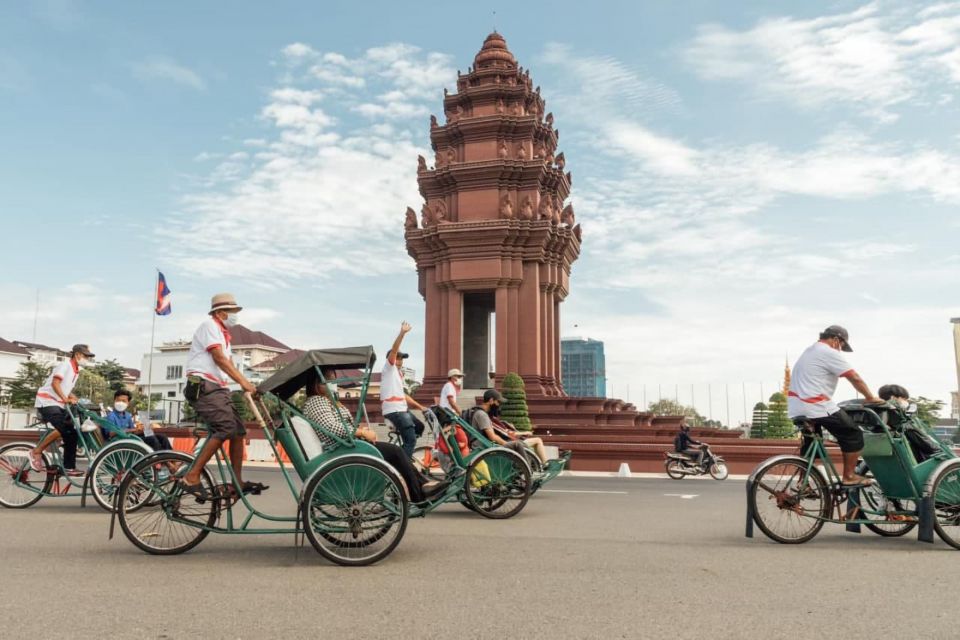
758	425
668	407
515	409
93	387
23	388
928	410
779	424
112	372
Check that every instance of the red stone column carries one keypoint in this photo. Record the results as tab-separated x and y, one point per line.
454	333
501	365
432	330
513	309
530	323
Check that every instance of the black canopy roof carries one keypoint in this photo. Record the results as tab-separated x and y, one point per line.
290	379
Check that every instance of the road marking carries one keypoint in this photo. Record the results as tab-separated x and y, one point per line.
576	491
682	496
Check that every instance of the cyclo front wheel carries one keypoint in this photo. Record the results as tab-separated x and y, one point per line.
789	503
945	492
498	483
156	515
20	485
108	471
355	511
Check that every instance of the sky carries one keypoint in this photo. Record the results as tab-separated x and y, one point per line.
745	175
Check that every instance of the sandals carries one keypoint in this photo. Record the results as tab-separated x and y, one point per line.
857	481
256	488
196	490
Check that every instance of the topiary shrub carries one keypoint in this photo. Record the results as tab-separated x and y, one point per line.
515	403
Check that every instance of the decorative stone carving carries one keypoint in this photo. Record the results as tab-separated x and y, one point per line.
577	232
549	118
451	155
445	92
411	221
506	207
502	152
556	209
421	164
545	211
438	158
516	109
549	158
433	122
561	161
526	209
541	151
522	152
497	79
500	107
440	213
426	216
567	216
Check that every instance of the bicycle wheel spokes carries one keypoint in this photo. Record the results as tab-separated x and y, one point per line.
498	484
20	486
891	517
946	499
157	516
355	512
789	502
109	470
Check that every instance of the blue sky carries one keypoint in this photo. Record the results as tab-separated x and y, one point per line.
745	174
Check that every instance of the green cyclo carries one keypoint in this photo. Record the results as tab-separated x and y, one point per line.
352	505
22	487
790	497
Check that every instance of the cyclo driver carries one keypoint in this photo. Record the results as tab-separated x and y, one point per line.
812	385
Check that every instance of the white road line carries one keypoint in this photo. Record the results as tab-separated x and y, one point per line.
576	491
683	496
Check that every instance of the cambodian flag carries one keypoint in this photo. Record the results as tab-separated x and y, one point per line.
163	297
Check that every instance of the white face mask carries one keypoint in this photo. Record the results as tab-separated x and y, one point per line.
904	404
120	406
231	320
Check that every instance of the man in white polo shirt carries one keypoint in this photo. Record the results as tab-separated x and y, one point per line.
812	385
448	395
209	371
52	398
395	401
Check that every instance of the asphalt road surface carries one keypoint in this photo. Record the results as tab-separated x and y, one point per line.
587	558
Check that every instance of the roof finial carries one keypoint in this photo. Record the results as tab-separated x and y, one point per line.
494	20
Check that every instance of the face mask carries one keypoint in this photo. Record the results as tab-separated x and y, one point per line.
904	404
120	406
494	411
231	320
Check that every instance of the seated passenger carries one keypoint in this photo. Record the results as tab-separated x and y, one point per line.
923	445
484	418
324	408
123	420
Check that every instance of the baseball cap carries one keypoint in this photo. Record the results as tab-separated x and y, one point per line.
82	349
492	394
837	331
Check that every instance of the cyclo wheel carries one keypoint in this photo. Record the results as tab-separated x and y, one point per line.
355	511
15	472
785	507
167	521
873	498
945	491
107	472
672	466
498	483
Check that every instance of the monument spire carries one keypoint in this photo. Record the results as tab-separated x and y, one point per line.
496	242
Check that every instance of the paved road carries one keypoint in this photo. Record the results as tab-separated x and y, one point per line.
590	558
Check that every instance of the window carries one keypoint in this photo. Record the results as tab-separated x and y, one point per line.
174	372
171	394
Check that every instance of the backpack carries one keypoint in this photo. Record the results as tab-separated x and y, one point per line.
678	442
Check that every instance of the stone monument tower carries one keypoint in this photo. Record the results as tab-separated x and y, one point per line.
496	240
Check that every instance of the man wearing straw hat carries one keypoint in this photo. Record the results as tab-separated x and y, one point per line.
209	371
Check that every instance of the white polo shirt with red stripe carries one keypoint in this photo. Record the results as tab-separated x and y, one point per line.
814	381
392	394
67	373
210	335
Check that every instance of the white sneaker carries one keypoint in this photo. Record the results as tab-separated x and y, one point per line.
36	461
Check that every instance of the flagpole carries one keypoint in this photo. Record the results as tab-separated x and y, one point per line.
153	335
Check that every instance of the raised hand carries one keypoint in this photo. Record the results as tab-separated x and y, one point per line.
405	327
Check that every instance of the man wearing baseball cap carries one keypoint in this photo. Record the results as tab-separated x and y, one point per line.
209	372
812	385
395	402
448	395
52	399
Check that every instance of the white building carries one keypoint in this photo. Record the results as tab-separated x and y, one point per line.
42	353
168	374
11	357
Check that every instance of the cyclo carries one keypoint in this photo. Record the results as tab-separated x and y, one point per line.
351	505
22	487
790	497
437	418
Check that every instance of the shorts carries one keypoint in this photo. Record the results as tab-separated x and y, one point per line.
517	446
59	418
844	429
216	409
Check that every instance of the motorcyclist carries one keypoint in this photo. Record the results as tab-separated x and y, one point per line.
682	444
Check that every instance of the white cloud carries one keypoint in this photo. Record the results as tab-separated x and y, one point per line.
868	57
298	50
161	68
322	194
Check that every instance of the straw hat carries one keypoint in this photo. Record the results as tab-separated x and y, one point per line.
454	373
224	302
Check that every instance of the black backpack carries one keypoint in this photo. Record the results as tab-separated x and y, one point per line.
678	442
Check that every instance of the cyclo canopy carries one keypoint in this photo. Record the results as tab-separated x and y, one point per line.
293	377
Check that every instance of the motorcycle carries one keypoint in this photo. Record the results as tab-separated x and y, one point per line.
679	465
